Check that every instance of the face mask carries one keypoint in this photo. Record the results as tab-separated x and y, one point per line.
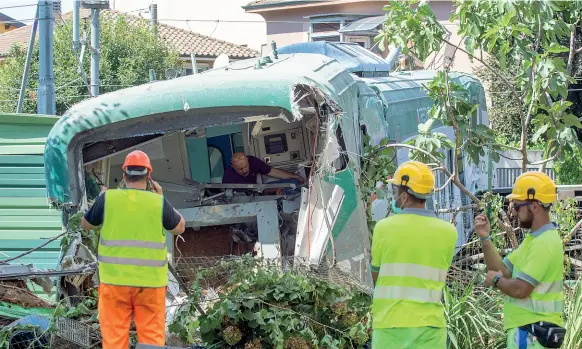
395	208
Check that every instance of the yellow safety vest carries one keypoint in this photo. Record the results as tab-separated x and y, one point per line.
132	246
538	261
411	252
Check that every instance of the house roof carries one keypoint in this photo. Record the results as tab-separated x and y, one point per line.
25	216
274	3
13	22
184	41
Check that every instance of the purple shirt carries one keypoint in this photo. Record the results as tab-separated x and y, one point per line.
256	166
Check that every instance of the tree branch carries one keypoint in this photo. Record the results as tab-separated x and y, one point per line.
433	158
558	152
573	50
5	261
548	149
507	82
574	230
508	147
471	259
444	185
458	209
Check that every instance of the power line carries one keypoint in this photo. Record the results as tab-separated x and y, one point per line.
18	6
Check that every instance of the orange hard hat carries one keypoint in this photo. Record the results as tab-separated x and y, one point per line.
137	158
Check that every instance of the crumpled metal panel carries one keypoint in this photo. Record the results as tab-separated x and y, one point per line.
237	85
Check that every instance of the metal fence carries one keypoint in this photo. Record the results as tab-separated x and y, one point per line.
507	176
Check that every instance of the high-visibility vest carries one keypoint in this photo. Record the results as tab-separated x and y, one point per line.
412	252
539	261
132	246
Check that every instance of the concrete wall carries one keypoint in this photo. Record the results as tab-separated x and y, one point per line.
289	25
289	33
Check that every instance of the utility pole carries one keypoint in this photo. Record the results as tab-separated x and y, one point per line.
46	86
154	18
27	64
96	6
76	25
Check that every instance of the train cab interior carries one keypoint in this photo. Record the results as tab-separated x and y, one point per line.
221	219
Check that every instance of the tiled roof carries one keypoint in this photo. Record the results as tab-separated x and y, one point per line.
184	41
274	3
13	22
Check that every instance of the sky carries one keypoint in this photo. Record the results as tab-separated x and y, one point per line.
202	16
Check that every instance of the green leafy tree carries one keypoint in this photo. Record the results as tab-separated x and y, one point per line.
523	37
128	52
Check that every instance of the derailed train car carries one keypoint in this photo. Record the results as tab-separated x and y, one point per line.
305	110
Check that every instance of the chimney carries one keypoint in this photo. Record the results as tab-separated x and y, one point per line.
154	18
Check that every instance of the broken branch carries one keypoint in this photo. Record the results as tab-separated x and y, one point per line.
573	50
32	250
458	209
577	227
474	258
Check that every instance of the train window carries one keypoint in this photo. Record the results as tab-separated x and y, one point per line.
216	164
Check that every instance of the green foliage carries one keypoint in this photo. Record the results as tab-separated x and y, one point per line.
568	171
573	316
128	52
432	142
529	61
452	107
376	166
473	317
259	302
492	205
503	112
6	334
90	238
419	26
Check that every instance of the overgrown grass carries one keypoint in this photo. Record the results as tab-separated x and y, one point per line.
573	315
473	316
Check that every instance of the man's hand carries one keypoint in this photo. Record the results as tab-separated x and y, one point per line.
300	179
482	226
156	187
490	275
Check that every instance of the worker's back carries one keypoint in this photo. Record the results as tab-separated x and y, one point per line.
413	250
132	247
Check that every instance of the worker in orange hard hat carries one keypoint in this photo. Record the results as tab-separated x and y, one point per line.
132	252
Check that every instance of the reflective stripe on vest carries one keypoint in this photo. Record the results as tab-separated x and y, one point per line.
409	270
132	261
413	270
542	306
408	293
538	306
133	243
549	287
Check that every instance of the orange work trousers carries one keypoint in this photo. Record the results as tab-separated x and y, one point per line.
116	306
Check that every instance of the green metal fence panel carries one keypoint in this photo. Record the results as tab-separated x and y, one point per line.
26	219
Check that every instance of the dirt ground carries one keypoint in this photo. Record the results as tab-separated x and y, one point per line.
16	292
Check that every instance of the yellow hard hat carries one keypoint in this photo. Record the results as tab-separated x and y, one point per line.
416	176
534	185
